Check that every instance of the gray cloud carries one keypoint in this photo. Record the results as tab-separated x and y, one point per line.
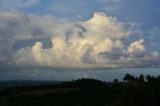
16	27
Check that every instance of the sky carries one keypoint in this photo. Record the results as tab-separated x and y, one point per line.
71	39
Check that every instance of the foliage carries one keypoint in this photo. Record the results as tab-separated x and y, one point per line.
87	92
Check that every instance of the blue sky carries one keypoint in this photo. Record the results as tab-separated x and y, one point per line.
32	34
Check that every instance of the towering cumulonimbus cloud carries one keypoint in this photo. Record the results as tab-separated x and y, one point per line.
95	43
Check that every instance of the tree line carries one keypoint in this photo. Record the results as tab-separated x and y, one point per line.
132	91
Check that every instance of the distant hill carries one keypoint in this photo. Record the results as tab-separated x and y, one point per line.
17	82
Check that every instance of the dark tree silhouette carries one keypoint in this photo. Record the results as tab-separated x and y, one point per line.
115	80
129	77
149	78
141	78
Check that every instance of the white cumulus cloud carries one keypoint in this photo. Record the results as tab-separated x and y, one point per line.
95	43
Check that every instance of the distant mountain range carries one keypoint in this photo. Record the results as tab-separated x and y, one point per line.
19	82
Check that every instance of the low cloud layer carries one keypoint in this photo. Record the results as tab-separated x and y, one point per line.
94	43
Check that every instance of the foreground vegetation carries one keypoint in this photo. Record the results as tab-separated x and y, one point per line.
133	91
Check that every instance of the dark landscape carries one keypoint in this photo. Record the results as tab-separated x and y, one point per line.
132	91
